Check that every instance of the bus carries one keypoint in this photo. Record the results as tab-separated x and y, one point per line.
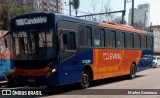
6	66
53	49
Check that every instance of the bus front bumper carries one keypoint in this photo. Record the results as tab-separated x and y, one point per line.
37	81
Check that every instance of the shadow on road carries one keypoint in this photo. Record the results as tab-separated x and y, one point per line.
112	80
75	89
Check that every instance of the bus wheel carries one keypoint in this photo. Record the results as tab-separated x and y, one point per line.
85	79
132	71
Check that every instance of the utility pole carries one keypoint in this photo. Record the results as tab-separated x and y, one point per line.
69	4
132	19
70	7
121	11
124	12
57	6
151	27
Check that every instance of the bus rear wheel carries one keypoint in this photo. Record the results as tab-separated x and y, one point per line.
85	78
132	74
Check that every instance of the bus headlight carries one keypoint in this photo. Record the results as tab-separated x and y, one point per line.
53	70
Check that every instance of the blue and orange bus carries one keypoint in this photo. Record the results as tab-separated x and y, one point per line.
53	49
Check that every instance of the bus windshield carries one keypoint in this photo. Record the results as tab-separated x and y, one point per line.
33	45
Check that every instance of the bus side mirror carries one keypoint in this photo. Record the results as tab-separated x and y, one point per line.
60	31
5	40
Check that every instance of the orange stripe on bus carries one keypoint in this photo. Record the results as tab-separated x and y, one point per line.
31	72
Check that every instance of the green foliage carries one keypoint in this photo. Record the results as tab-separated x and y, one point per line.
0	9
75	4
20	10
10	11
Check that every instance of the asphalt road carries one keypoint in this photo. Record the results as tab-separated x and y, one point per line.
146	82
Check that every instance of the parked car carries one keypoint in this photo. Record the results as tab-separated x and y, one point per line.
156	61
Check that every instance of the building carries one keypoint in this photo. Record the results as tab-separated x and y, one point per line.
43	5
141	16
156	31
48	6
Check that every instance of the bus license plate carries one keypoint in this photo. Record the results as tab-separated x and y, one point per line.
31	80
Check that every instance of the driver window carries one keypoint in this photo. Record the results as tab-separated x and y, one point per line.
69	40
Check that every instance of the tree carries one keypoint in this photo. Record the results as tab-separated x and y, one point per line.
11	10
118	19
75	4
15	9
4	18
103	8
139	25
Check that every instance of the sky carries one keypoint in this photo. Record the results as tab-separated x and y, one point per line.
86	6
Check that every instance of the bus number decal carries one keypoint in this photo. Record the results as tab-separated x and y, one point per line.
86	61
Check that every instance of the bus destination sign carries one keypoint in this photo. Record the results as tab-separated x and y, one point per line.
30	21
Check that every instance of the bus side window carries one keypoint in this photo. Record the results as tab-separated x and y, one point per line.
82	36
110	39
72	41
114	40
131	41
118	39
128	46
96	38
139	42
149	42
102	37
88	36
65	41
69	40
123	40
145	42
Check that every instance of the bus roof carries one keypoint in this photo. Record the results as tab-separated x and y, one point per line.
75	19
122	27
103	24
52	18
